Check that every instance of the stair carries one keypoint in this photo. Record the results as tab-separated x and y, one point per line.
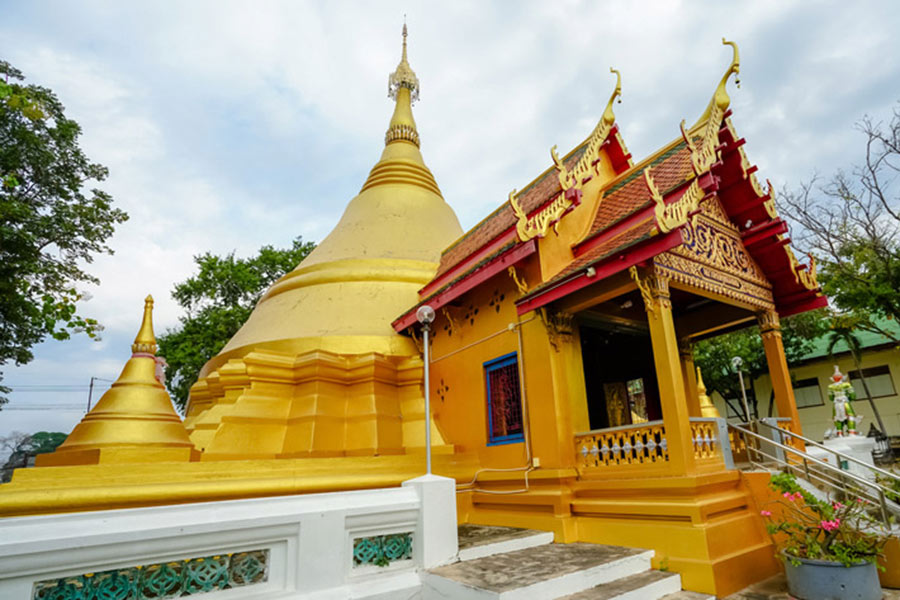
505	563
477	541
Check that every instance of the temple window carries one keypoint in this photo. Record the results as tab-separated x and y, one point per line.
504	402
878	379
808	393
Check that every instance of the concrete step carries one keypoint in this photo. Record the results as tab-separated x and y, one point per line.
649	585
538	573
686	595
477	541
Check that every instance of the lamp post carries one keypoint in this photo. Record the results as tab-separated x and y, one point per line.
736	362
425	316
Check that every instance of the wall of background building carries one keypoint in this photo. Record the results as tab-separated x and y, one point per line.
816	420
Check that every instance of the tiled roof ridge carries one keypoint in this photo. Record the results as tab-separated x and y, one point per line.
534	182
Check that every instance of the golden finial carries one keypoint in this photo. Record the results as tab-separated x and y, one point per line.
145	342
403	76
720	99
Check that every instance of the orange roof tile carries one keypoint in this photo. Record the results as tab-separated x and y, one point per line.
544	188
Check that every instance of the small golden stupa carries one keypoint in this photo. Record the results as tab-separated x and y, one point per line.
707	408
134	421
317	369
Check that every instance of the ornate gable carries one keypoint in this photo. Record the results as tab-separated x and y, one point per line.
713	258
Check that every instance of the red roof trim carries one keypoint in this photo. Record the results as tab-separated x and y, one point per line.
763	233
467	263
604	268
803	306
471	281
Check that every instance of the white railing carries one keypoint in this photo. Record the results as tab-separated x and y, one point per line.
348	544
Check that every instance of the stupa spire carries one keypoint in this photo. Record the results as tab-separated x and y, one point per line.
403	88
145	340
134	421
707	408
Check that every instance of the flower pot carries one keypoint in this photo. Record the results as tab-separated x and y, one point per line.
827	580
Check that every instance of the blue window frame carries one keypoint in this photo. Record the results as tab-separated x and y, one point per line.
504	401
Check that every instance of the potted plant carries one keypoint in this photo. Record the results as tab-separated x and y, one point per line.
829	547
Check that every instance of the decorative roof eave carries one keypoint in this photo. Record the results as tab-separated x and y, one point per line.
501	260
764	233
641	251
570	181
621	161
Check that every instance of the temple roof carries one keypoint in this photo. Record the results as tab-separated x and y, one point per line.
655	196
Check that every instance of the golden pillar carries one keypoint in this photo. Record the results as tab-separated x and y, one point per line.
666	358
689	374
770	328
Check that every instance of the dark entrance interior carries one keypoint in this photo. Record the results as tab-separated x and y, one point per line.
619	375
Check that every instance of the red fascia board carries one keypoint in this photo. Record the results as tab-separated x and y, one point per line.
763	232
604	268
476	278
802	306
749	205
617	154
467	263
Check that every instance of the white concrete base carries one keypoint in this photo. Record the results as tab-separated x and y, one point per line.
436	543
856	446
435	587
538	539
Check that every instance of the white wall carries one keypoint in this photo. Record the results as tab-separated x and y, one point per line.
309	539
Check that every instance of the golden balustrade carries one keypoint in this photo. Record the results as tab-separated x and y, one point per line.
629	445
642	449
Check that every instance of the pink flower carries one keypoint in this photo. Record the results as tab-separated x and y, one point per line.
797	496
838	506
786	494
766	513
830	525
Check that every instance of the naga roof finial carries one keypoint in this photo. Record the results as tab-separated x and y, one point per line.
609	117
721	100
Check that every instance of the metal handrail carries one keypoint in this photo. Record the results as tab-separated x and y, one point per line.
840	455
842	475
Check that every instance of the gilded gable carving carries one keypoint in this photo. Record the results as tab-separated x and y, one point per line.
713	258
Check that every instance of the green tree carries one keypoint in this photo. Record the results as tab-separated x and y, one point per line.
21	447
51	225
851	224
217	300
714	356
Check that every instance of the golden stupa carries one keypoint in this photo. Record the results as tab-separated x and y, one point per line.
134	421
707	408
317	370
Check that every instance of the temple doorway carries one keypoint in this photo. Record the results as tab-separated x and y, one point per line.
619	373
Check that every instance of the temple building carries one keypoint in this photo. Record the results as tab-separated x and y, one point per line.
563	391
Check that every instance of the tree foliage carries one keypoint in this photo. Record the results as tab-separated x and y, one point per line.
217	300
714	355
851	224
20	447
50	224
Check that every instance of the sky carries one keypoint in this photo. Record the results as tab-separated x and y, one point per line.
228	125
